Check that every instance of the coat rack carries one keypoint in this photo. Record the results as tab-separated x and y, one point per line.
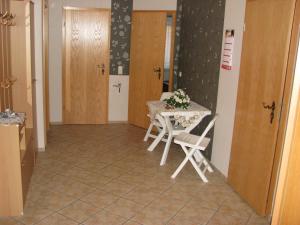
7	83
7	19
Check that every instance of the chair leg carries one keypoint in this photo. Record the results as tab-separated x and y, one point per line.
180	167
199	156
182	164
157	140
166	150
148	132
200	173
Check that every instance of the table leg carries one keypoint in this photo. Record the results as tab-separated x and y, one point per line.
169	141
161	134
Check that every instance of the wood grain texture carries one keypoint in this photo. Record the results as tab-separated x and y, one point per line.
11	203
22	60
86	47
5	67
262	76
147	52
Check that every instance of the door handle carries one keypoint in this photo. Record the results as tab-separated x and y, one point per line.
272	108
157	71
102	67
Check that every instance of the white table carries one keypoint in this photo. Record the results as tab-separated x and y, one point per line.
187	120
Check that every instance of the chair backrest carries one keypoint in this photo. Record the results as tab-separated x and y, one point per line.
207	129
165	95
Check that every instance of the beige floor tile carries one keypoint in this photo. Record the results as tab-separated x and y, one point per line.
192	216
225	219
130	222
105	218
133	178
36	192
124	208
168	203
154	216
55	201
112	171
74	189
118	187
257	220
57	219
116	174
171	193
79	211
8	221
142	195
90	166
236	208
34	213
94	180
100	199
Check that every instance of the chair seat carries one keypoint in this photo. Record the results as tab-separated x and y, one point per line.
190	140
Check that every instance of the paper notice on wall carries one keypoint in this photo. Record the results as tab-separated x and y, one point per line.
228	50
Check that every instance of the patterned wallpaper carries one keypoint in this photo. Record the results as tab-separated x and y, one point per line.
120	35
200	51
177	41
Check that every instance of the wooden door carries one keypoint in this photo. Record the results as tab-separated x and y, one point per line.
148	38
86	66
262	76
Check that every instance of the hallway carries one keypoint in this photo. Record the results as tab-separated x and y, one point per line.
96	175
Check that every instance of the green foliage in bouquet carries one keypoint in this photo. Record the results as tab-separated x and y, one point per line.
179	99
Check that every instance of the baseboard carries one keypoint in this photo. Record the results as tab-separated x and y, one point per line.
41	149
117	122
56	123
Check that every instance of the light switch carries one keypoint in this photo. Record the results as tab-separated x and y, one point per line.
120	70
180	74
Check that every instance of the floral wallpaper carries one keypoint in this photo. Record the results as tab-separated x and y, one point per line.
177	41
120	35
200	51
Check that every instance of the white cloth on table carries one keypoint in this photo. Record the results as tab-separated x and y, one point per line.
184	117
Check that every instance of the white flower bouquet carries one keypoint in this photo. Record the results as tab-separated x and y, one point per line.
179	99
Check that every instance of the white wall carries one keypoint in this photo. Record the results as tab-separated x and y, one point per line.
55	49
154	4
228	86
118	101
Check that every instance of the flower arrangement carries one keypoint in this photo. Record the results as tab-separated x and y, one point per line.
179	99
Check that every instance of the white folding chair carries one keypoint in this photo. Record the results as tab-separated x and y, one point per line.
192	146
157	120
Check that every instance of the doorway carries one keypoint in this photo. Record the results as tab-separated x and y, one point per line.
151	64
86	35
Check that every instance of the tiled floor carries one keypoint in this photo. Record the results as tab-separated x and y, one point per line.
103	175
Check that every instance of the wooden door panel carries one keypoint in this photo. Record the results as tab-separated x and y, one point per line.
147	53
262	77
86	50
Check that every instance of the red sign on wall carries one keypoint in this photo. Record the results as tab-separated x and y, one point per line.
228	50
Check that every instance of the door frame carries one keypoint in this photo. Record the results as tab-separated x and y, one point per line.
45	29
285	109
64	57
